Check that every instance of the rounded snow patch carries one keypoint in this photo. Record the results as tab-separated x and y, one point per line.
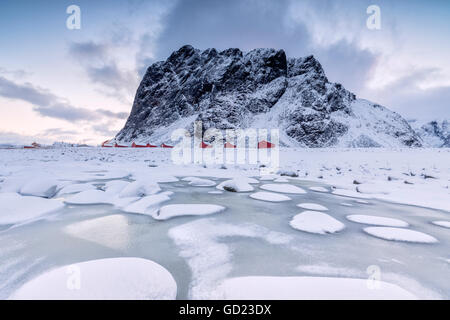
105	279
198	182
177	210
269	196
40	187
398	234
15	208
139	188
309	288
375	220
445	224
77	187
312	206
281	180
316	222
236	185
89	197
148	204
283	188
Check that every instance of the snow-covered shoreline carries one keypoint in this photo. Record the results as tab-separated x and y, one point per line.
419	177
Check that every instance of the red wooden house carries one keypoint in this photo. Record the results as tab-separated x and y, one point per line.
265	145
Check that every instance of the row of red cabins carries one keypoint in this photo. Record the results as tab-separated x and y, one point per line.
261	145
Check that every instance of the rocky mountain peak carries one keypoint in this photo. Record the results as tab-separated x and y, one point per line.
261	88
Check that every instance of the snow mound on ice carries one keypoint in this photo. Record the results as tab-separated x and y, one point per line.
105	279
116	186
40	187
159	177
316	222
268	177
77	187
312	206
149	204
445	224
281	180
309	288
15	208
269	196
165	178
235	185
177	210
122	203
89	197
379	221
318	189
398	234
199	182
283	188
139	188
12	184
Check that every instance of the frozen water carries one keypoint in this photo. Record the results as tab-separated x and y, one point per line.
312	206
346	204
350	193
318	189
310	288
177	210
283	188
255	235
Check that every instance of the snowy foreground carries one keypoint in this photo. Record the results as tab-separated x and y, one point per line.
89	223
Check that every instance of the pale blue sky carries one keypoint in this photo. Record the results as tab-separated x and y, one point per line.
78	85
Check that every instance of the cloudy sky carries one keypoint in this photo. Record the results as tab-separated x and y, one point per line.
78	85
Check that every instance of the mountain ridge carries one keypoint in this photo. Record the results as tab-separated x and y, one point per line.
260	89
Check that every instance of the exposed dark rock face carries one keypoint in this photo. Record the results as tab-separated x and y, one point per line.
260	89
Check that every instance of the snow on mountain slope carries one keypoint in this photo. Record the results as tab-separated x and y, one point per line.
434	133
258	89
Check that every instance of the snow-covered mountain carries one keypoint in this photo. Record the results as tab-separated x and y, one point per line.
434	133
258	89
